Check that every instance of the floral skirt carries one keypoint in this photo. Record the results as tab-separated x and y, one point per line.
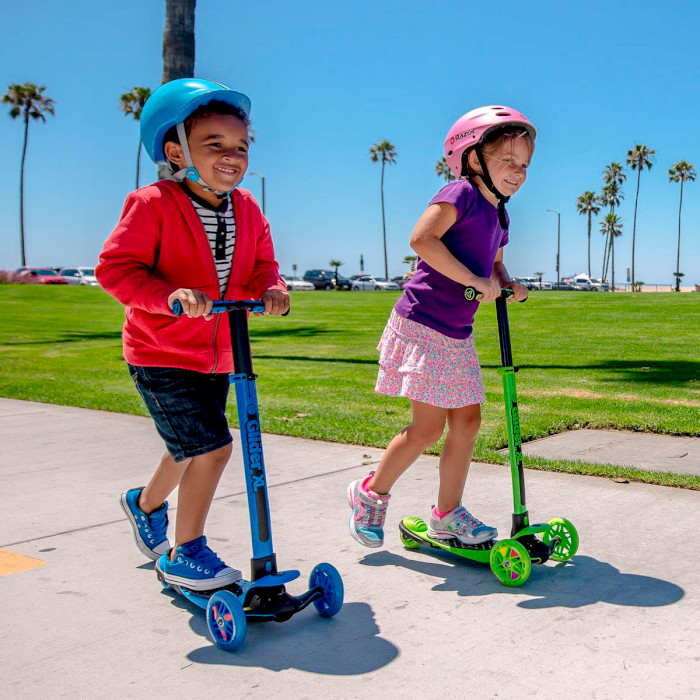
421	364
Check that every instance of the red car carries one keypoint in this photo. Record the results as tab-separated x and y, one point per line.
39	275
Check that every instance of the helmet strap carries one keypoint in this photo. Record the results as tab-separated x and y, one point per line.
190	172
488	182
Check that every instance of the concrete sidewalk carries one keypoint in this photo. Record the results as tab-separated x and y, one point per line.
89	620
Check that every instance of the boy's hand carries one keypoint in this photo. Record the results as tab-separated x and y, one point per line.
488	287
276	302
520	292
194	303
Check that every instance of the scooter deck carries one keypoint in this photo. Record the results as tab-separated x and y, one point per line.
260	604
416	531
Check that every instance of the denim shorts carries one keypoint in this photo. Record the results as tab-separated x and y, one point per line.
189	408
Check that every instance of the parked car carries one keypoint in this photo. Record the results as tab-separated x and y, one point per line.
376	283
325	279
529	282
296	284
84	276
402	279
564	287
40	275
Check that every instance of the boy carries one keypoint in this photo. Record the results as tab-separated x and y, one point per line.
193	239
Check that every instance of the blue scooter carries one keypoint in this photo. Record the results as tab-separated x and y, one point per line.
264	597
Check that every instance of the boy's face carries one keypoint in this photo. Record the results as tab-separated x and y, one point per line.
219	149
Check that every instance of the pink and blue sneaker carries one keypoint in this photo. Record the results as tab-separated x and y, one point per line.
368	513
461	525
196	567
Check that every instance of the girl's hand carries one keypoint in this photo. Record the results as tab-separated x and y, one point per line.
520	292
488	287
276	302
194	303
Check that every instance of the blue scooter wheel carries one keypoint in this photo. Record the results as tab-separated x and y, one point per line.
327	577
226	620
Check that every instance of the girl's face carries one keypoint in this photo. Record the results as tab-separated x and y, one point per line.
508	165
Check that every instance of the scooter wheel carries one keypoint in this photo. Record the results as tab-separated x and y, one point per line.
568	538
408	542
510	563
226	620
327	577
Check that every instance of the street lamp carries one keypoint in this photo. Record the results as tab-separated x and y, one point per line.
558	232
262	179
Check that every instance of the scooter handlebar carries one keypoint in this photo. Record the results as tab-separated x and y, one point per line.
473	294
224	306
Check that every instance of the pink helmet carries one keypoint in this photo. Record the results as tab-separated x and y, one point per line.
471	129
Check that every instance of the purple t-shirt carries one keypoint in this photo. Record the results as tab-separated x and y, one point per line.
437	301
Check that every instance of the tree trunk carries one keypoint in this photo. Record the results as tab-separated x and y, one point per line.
21	190
138	164
612	265
634	224
386	264
178	47
678	251
178	40
589	246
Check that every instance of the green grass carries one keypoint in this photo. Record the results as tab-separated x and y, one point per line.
617	361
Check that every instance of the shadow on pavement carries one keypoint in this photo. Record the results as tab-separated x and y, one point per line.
574	584
306	641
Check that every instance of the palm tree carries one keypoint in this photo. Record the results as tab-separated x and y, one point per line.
613	177
443	170
611	227
411	260
611	196
539	275
335	264
638	158
28	101
386	152
178	47
588	203
680	172
132	103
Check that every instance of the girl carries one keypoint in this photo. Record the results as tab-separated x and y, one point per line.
427	351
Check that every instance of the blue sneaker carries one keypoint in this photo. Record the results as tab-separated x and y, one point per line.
150	531
196	567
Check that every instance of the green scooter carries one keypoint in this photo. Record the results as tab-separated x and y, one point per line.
510	559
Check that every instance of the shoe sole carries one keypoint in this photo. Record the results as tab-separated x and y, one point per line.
355	535
194	584
143	548
451	536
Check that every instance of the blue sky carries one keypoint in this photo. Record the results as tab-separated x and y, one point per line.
329	80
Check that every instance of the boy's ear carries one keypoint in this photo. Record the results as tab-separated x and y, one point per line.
173	152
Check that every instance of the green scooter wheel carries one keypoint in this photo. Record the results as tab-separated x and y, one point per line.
414	524
510	563
568	538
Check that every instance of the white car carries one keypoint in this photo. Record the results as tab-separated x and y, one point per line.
296	284
370	282
79	275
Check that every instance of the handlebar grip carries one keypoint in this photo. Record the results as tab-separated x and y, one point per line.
473	294
223	306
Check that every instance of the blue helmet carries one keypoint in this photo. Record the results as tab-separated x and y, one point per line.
173	102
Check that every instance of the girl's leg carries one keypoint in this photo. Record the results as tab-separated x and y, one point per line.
425	430
463	426
197	487
163	482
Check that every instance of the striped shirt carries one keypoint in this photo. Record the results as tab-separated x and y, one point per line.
220	227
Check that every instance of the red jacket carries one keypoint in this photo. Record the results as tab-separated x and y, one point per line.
158	246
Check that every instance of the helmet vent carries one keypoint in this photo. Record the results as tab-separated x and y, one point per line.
503	114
